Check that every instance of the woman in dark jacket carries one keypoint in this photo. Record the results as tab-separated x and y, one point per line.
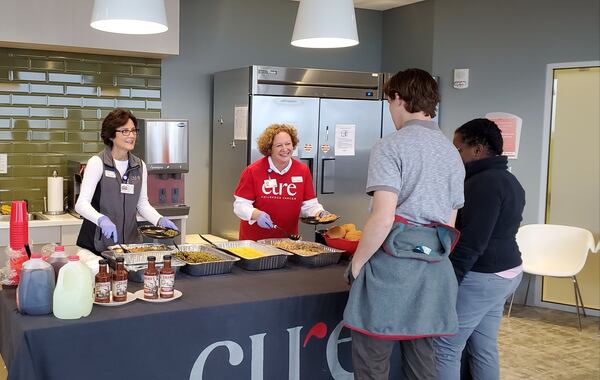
486	260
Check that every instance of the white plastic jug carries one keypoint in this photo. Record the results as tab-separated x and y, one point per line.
73	295
34	293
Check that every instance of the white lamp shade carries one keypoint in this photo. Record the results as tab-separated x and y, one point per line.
325	24
129	16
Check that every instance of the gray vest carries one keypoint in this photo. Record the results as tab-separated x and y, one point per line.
120	208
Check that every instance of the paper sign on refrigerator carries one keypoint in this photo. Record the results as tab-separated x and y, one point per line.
240	123
345	139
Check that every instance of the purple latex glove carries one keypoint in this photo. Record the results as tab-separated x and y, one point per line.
324	213
264	220
166	223
108	228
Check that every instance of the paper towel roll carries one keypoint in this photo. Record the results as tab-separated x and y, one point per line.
55	195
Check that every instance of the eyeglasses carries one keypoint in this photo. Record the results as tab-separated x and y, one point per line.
127	132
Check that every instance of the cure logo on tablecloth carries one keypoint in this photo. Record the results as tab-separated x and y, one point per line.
236	353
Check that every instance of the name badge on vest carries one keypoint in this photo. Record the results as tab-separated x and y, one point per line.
110	174
126	188
296	179
270	183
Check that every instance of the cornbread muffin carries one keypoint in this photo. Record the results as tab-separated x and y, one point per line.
348	227
353	235
336	232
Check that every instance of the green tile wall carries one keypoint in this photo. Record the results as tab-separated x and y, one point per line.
51	110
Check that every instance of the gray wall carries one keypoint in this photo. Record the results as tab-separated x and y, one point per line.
218	35
408	37
507	45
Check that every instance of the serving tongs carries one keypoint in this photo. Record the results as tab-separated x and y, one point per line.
125	250
290	236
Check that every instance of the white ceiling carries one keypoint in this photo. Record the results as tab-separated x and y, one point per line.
380	5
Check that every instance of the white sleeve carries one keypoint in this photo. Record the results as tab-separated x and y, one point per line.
91	176
243	208
144	207
310	208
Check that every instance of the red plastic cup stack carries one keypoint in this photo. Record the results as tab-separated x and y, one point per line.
19	227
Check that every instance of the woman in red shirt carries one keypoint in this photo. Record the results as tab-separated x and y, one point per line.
275	190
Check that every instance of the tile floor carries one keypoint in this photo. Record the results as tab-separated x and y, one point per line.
537	343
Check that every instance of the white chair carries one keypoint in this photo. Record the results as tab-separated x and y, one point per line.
555	251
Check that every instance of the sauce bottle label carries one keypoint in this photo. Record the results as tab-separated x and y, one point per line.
150	286
119	288
167	285
102	292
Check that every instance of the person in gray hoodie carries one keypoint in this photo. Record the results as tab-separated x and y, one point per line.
403	285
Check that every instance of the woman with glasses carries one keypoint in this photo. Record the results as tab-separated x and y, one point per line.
114	189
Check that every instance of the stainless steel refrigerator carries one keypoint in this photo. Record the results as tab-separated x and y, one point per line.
338	115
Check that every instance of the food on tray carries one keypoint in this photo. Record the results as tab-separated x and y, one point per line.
345	231
145	248
171	233
326	218
247	252
196	257
336	232
302	248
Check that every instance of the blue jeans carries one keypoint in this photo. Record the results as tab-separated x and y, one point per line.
480	304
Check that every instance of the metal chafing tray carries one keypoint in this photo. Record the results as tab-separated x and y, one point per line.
327	257
274	257
135	272
224	265
136	258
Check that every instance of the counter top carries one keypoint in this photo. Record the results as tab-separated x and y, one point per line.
68	220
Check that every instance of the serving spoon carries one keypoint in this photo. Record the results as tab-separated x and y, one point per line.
290	236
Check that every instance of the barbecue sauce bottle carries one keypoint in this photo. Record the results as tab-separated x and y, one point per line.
102	287
119	282
167	278
151	279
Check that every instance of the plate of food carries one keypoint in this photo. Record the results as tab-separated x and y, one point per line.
157	232
329	218
140	295
130	298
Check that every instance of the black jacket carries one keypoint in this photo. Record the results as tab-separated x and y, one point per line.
489	220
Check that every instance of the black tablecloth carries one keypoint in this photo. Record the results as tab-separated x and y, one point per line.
279	324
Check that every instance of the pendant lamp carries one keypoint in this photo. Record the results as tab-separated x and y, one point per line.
129	16
325	24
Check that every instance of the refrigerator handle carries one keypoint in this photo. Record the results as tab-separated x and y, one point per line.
309	163
328	176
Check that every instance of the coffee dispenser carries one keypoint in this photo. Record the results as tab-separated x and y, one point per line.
163	145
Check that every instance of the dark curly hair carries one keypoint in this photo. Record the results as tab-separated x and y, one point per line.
417	88
115	119
484	132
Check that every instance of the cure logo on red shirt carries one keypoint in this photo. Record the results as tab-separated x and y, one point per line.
288	189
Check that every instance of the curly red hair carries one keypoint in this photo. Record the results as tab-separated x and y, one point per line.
265	140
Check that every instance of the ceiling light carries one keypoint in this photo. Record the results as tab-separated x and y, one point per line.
129	16
325	24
